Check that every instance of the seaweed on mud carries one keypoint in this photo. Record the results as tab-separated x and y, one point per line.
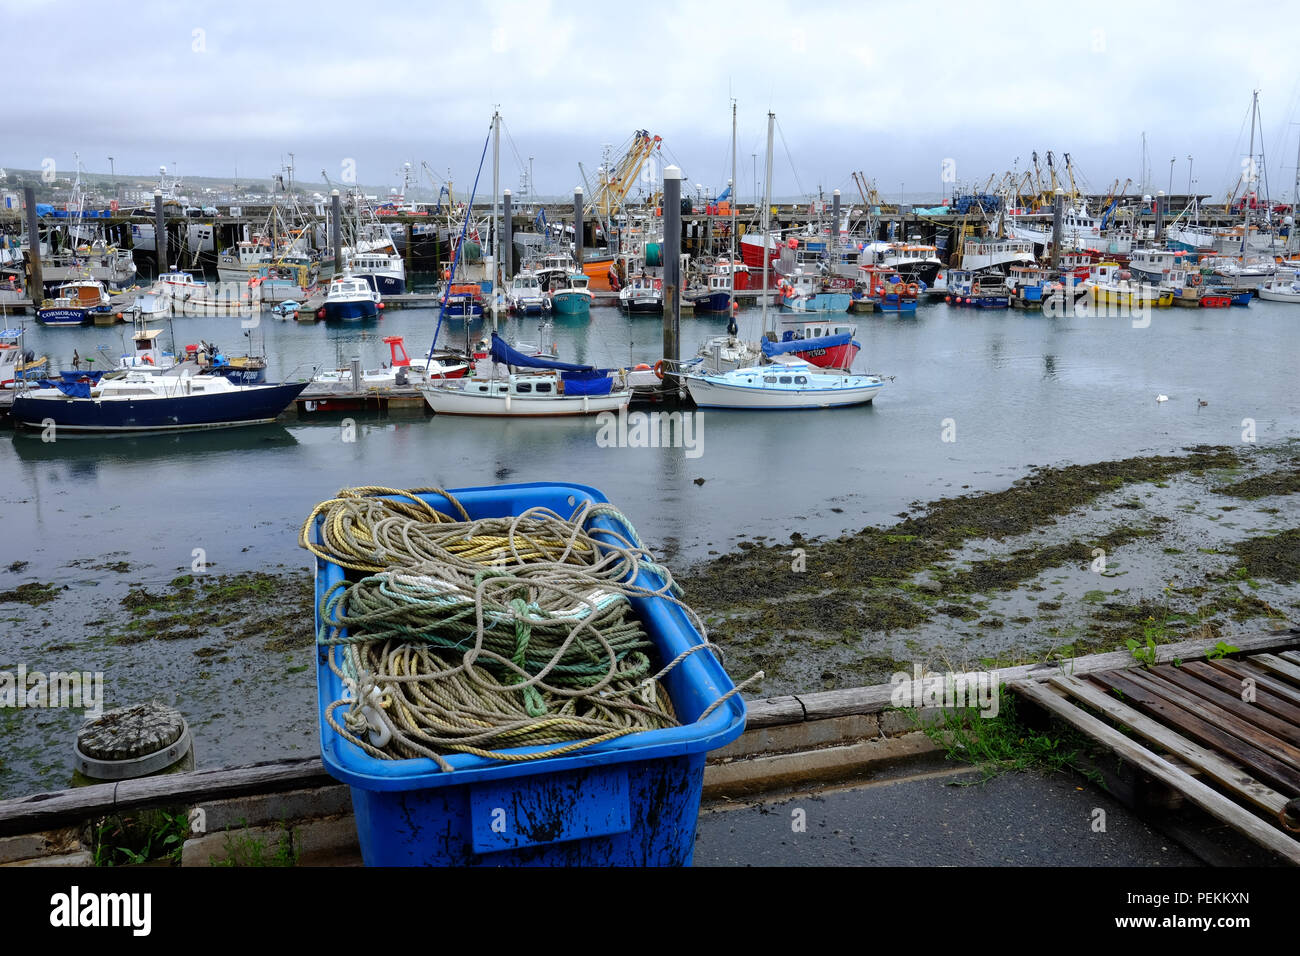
882	556
1276	557
33	593
1271	483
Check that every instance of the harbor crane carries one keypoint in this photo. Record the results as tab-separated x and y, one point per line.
617	181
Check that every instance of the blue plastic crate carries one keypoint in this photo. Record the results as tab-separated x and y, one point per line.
632	801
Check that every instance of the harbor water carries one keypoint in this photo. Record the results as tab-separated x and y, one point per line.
975	400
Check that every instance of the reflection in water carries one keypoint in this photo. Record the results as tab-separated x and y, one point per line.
1049	366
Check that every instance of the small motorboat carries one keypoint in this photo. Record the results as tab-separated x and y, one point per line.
787	383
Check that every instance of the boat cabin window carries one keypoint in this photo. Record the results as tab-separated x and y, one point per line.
801	380
521	387
785	379
543	387
769	379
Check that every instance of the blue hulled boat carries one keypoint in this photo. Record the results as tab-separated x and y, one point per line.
351	299
138	400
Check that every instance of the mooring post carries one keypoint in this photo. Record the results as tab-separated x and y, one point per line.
336	229
35	275
672	269
507	239
835	226
159	232
577	225
1058	209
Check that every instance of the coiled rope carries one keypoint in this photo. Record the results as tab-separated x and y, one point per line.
477	635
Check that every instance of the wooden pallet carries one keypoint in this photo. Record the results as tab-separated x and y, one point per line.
1224	733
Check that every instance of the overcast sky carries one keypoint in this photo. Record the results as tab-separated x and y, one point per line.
891	89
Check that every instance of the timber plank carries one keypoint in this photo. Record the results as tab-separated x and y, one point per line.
1261	677
1272	662
1244	729
1264	698
1261	764
1227	774
1232	703
1202	795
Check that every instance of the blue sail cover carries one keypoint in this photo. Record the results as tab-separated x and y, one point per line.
804	345
503	353
595	382
74	389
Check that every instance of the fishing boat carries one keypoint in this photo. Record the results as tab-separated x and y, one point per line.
350	299
17	363
385	272
463	300
570	294
915	261
787	383
887	290
716	297
642	294
1111	285
803	292
526	295
992	253
544	388
287	276
75	303
755	253
178	293
1189	291
181	397
1026	286
819	342
1152	265
1284	287
977	290
1242	273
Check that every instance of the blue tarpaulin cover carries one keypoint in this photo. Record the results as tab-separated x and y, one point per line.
503	353
804	345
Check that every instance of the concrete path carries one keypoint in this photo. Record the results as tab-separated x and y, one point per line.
943	817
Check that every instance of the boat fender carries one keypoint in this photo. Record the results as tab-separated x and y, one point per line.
659	369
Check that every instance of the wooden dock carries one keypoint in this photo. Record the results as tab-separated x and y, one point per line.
1222	732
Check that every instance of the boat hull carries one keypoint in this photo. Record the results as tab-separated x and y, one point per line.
820	302
250	406
455	401
570	303
713	302
642	306
837	356
71	317
350	311
712	394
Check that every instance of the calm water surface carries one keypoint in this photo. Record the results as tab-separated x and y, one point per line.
1014	389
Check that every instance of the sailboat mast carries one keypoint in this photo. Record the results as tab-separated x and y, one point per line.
731	293
1250	174
496	228
767	212
1295	196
